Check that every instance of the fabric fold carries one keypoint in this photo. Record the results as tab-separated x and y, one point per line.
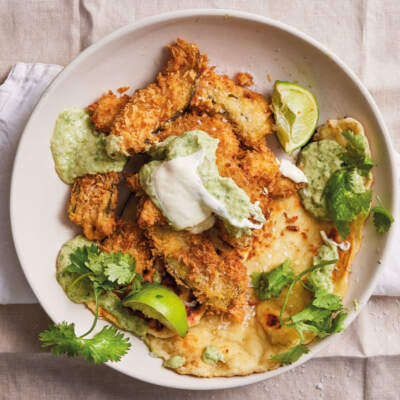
18	95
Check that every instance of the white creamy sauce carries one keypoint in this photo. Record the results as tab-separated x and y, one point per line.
184	199
289	170
344	246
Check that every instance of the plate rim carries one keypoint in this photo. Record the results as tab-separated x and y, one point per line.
236	381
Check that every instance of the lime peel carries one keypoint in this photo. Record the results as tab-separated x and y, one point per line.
296	114
160	303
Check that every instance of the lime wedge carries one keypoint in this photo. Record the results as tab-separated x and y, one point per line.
157	302
296	114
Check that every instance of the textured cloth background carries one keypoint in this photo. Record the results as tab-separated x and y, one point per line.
365	34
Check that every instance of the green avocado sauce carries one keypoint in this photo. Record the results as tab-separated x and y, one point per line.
321	279
212	354
236	201
319	160
82	291
175	362
78	149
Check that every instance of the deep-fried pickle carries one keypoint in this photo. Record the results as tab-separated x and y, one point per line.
105	109
255	171
129	238
217	280
135	125
148	213
249	110
92	204
217	127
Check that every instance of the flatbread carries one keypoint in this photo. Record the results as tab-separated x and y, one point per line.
247	347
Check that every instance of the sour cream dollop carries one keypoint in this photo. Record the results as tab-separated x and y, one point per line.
292	172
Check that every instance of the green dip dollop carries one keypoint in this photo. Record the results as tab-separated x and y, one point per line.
212	354
321	278
237	203
175	362
319	160
78	149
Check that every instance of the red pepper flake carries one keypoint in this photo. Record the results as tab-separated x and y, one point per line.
290	220
292	228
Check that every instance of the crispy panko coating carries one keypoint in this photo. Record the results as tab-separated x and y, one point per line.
92	204
150	107
129	238
244	79
105	109
249	110
217	127
217	279
252	170
149	214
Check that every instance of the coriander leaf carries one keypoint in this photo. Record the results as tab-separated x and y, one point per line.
356	144
343	228
356	182
79	259
327	301
338	323
344	204
106	345
355	153
105	270
366	166
291	355
314	319
137	284
270	284
120	267
296	279
383	219
95	259
318	320
63	338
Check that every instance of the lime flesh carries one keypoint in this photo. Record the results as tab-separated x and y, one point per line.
296	114
160	303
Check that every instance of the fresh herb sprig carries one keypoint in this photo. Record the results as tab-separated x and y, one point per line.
323	316
270	284
382	218
106	345
344	201
345	194
354	156
105	271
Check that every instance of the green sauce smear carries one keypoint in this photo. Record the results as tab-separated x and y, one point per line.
212	355
78	149
236	201
319	160
82	291
321	278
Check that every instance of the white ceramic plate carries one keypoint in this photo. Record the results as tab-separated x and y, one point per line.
235	41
